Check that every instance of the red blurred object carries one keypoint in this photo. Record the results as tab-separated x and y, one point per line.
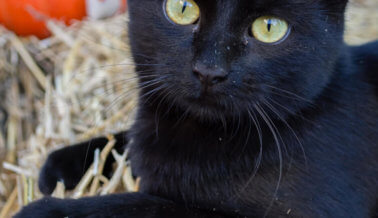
123	6
26	17
1	17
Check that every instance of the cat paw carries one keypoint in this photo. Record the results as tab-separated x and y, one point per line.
61	165
69	164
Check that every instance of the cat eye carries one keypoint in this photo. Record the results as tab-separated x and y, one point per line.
182	12
269	29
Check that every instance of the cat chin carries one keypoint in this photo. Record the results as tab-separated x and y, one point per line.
234	110
205	110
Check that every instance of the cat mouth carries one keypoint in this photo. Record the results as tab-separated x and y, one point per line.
206	101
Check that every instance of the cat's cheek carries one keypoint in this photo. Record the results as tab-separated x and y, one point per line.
264	51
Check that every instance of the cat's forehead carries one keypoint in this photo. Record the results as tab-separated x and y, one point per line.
250	6
261	6
255	3
234	12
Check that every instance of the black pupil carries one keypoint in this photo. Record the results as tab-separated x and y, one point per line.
184	6
269	25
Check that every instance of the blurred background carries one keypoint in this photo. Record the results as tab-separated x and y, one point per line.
69	84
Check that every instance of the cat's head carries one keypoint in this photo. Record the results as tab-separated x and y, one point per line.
226	57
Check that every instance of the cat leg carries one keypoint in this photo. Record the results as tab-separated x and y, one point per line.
121	205
69	164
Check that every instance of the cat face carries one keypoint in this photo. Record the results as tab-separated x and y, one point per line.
216	58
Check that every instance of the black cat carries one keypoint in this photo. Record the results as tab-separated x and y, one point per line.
248	108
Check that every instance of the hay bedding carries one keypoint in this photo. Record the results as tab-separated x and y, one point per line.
89	90
78	84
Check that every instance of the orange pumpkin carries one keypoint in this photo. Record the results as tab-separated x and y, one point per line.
1	17
123	6
26	17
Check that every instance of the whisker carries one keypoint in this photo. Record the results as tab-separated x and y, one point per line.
283	107
165	95
272	129
259	157
142	86
113	84
289	93
271	107
289	111
183	116
125	77
129	88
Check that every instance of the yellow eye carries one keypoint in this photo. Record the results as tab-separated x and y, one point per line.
182	12
269	29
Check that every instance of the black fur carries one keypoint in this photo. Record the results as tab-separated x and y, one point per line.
291	132
72	162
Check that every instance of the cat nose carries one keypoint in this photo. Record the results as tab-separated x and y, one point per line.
209	75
